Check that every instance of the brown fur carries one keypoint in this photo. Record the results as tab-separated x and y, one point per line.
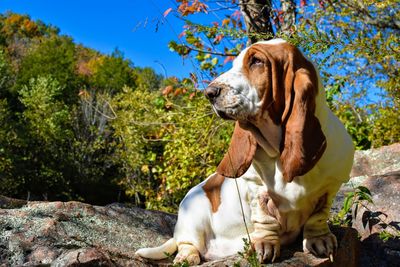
212	188
321	204
269	205
240	153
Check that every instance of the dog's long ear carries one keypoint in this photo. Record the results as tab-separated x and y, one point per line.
303	141
240	153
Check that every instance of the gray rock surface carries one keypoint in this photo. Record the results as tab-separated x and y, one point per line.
379	171
70	233
376	161
75	234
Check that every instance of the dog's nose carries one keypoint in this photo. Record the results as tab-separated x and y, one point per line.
212	91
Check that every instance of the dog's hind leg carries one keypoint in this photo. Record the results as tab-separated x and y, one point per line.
187	253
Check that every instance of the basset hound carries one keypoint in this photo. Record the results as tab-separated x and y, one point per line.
289	154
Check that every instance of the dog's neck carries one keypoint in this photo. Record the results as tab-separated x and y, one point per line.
268	135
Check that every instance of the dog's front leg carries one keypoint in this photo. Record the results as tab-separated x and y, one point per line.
317	237
265	237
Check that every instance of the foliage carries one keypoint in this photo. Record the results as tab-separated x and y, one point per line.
21	25
356	46
55	141
79	124
166	143
42	131
359	198
111	73
386	127
5	74
7	182
54	56
43	114
147	79
249	255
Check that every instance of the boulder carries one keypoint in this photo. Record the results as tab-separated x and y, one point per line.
376	161
75	234
379	171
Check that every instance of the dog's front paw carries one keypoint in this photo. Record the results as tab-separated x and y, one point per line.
324	245
187	254
267	250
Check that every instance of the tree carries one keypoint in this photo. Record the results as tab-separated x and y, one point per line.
147	79
56	139
355	44
358	45
44	131
5	75
7	140
112	73
66	150
54	56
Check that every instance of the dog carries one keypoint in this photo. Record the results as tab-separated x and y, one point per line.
289	155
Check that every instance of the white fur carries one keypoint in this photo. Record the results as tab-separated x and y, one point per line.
241	100
219	234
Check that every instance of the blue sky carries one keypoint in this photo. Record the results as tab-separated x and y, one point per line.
129	25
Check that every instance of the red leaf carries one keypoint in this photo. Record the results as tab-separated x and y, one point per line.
167	90
228	59
182	34
237	14
166	12
225	22
218	38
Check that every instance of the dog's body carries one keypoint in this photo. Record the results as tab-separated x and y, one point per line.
289	153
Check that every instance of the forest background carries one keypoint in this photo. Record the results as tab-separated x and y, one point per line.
77	124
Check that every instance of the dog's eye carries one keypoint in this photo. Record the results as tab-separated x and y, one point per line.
255	61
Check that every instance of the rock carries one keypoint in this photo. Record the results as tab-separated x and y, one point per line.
293	255
379	171
385	209
376	161
376	252
10	203
373	218
75	234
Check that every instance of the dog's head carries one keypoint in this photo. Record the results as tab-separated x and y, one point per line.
270	84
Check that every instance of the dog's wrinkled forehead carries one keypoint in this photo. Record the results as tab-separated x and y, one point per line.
236	71
237	65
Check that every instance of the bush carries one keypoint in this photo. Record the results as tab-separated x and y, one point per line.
165	143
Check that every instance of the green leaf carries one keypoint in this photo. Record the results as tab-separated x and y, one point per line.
214	61
348	201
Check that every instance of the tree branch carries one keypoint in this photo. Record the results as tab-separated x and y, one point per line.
210	52
256	14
